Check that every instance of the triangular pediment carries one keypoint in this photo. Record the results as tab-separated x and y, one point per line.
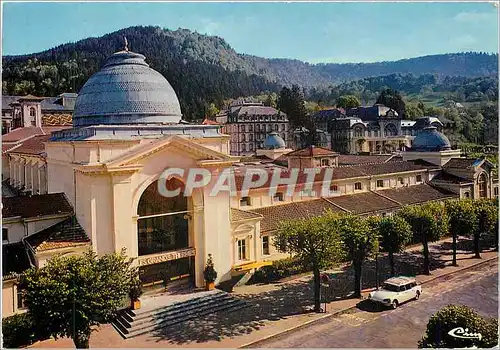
188	148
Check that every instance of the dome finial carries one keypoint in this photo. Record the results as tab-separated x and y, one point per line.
126	44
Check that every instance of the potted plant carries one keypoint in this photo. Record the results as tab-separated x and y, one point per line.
135	292
210	274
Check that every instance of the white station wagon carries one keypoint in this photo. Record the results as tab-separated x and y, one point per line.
396	290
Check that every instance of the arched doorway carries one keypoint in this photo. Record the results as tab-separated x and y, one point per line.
391	130
163	236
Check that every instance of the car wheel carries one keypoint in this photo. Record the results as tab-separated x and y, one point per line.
417	296
395	304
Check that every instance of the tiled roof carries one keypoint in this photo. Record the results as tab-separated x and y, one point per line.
8	147
388	168
57	120
297	210
312	151
15	260
417	194
460	163
209	122
35	206
20	134
444	176
67	233
32	146
47	103
362	203
239	215
256	110
348	159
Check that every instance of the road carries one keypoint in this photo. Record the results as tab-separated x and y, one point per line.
404	326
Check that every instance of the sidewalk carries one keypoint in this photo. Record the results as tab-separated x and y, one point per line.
278	307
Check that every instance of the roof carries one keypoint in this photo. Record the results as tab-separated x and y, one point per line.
63	102
348	159
34	145
460	163
35	206
15	260
67	233
400	280
255	110
363	203
240	215
57	120
296	210
20	134
209	122
312	151
417	194
447	177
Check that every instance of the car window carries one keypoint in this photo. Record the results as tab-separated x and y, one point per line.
409	286
390	287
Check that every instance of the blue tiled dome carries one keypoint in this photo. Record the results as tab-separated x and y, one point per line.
126	91
274	141
430	140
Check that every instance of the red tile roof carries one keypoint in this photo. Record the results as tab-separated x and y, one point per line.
363	203
35	206
350	159
240	215
20	134
312	151
34	145
209	122
417	194
67	233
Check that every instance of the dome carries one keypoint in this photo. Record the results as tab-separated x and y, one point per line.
274	141
126	91
430	140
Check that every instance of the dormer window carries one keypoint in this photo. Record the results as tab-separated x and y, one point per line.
419	178
401	181
358	186
325	162
245	201
32	112
278	197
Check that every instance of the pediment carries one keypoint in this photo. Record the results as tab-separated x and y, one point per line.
186	147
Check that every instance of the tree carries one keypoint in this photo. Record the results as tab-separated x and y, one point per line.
428	223
360	239
413	111
348	101
69	296
462	221
212	111
487	218
291	101
313	242
459	316
395	234
392	99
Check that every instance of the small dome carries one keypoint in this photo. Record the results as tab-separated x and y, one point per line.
430	140
126	91
274	141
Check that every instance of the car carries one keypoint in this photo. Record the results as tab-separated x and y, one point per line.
395	291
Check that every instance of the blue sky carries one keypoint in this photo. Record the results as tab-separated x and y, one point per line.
313	32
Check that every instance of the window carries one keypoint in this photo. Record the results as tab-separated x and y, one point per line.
358	131
5	234
32	112
245	201
278	197
334	188
466	194
391	130
276	127
357	186
325	162
495	191
243	137
380	183
242	249
401	181
482	185
265	245
20	299
419	178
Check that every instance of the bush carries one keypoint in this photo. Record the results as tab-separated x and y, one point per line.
279	269
453	316
210	274
18	331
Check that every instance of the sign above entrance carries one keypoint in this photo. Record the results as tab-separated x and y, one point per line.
167	256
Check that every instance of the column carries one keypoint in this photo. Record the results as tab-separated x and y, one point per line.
35	179
125	235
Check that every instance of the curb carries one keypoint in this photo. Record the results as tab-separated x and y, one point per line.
330	315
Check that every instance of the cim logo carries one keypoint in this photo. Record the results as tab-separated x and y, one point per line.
462	333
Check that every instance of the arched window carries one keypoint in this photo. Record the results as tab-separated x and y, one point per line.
391	130
32	112
466	194
401	181
276	127
358	131
483	193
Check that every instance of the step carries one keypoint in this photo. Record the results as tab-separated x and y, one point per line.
173	319
239	305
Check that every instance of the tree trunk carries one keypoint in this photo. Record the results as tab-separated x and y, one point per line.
477	249
391	262
426	255
81	340
317	289
357	278
454	247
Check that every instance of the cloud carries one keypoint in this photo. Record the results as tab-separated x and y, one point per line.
210	27
474	16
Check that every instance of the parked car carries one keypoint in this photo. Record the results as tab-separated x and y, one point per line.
395	291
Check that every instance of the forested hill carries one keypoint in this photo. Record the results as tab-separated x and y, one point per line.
204	69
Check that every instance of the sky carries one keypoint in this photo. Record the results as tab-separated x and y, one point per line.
313	32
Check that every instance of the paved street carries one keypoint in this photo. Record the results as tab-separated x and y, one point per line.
403	327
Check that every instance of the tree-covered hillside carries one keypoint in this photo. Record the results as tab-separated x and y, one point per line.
205	69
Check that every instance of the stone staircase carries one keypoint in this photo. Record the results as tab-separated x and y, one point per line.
131	323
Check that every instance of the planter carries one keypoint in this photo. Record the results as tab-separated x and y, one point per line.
136	304
210	285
